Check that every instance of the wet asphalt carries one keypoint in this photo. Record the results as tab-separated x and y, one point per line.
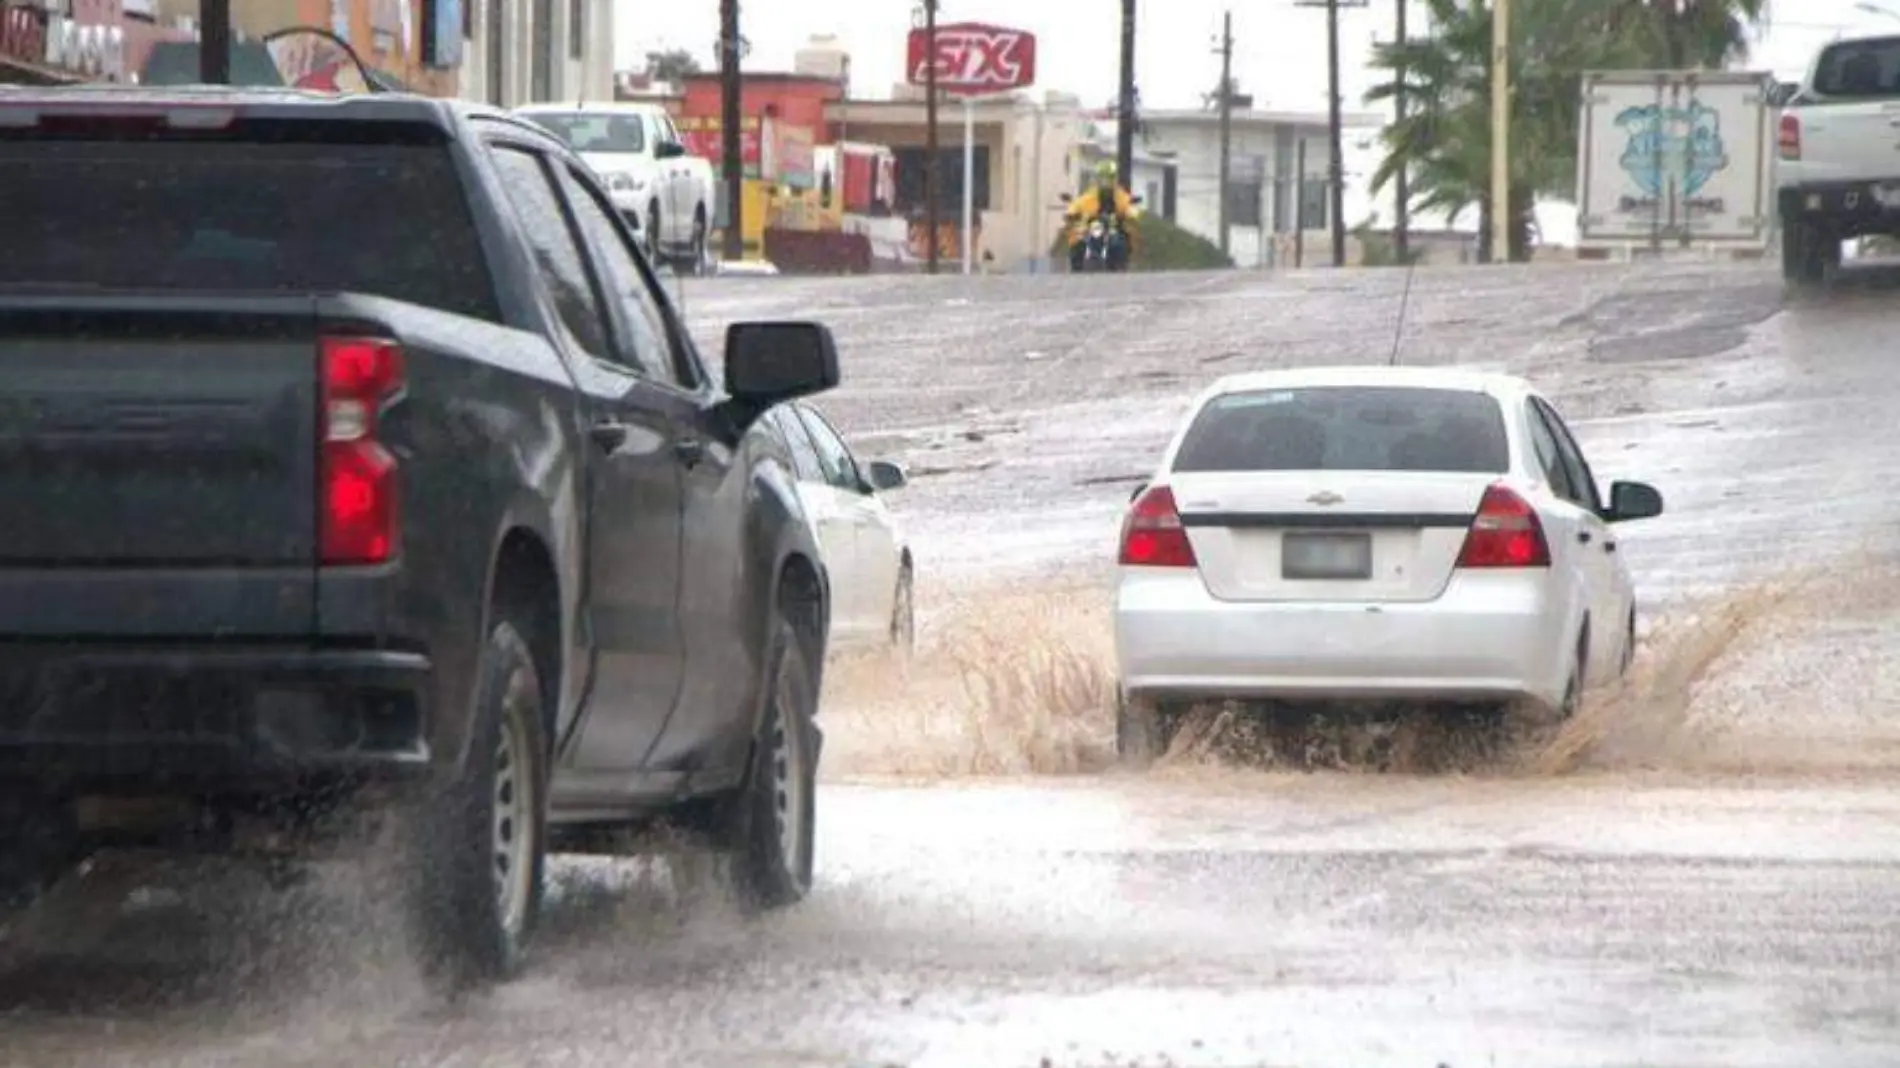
1722	892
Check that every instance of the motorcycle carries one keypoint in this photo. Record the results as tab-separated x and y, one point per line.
1102	244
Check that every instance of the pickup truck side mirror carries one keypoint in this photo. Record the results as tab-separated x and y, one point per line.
1633	500
886	475
770	362
668	150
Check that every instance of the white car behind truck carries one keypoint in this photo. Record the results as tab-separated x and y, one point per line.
1675	157
1839	176
662	189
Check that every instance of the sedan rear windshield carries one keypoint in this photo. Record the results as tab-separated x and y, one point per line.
1347	428
385	219
1868	69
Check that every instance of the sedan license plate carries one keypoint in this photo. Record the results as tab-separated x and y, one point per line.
1326	556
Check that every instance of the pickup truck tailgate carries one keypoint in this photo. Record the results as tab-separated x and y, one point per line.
162	436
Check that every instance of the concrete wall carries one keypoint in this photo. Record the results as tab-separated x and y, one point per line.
586	73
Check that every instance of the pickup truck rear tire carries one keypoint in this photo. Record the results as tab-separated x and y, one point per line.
778	816
1808	253
481	843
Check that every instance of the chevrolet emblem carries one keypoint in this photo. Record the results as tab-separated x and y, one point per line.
1325	498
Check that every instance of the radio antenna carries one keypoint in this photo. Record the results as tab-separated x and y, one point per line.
1405	301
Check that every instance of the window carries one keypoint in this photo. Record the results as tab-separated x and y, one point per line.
595	131
1315	204
283	207
1863	69
804	457
1549	456
576	27
835	459
648	349
555	251
910	178
541	51
1347	428
1243	203
1576	468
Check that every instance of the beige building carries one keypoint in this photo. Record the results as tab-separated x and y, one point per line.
1028	152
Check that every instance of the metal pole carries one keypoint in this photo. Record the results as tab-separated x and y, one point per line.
1337	170
969	178
731	87
214	42
932	162
1402	180
1226	124
1299	201
1125	112
1501	222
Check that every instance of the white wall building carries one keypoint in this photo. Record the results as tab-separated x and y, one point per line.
1264	179
534	51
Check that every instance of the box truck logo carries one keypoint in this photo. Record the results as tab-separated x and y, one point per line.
1684	143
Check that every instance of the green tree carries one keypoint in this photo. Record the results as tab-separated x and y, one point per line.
672	65
1679	34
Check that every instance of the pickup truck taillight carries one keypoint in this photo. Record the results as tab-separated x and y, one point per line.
360	521
1790	136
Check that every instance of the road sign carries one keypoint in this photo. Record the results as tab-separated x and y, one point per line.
974	58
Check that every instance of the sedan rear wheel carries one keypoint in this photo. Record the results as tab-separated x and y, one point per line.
1143	731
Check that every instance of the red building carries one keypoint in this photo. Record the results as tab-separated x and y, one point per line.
783	117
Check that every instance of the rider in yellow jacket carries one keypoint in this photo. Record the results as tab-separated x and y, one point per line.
1090	204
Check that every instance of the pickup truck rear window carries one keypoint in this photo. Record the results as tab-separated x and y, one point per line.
1859	69
385	219
595	132
1347	428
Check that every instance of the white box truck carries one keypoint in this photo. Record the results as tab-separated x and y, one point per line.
1676	158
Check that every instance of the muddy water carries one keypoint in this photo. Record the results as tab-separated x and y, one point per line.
1701	869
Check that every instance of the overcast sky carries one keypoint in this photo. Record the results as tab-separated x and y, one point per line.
1279	53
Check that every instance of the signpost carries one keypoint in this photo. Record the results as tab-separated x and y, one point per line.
972	59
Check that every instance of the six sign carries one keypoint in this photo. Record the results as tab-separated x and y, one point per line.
974	57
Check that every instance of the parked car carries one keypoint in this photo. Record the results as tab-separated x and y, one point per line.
356	463
663	189
1399	535
873	576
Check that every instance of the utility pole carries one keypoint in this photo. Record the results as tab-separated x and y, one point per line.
1226	122
933	161
1125	113
731	87
1401	181
1501	222
1336	171
214	42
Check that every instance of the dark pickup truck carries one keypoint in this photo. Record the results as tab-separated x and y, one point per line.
355	469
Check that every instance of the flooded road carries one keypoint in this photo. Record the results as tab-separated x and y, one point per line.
1704	869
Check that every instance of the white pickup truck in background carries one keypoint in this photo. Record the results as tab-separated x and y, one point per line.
663	190
1839	171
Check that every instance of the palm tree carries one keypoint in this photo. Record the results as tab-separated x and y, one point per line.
1678	34
1446	135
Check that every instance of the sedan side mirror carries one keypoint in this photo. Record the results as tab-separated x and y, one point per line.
1633	500
668	150
770	362
886	475
1136	492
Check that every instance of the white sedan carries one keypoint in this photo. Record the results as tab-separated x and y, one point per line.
1378	534
872	573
